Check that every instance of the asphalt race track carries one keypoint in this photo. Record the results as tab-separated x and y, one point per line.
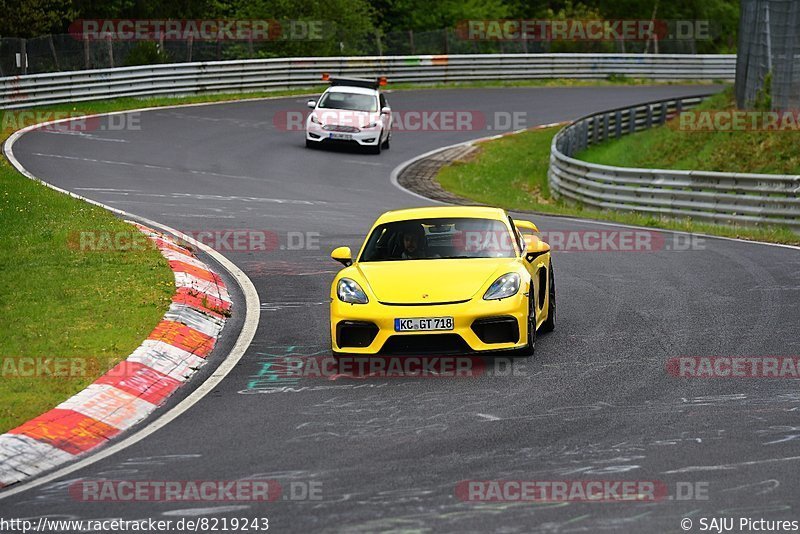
595	403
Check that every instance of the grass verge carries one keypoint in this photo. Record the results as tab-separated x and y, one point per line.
91	309
512	172
670	147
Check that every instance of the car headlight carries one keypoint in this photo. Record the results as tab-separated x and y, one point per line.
315	120
349	291
371	125
505	286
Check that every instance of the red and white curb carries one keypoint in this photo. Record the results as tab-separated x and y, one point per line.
135	387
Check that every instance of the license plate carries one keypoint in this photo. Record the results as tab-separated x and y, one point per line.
341	136
421	324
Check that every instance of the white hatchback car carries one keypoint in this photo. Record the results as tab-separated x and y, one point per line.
350	111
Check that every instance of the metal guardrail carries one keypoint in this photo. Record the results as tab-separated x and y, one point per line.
274	74
715	196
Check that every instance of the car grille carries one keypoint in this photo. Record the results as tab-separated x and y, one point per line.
340	128
497	330
355	334
421	344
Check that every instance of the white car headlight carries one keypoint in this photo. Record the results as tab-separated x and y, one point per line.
371	125
349	291
505	286
315	120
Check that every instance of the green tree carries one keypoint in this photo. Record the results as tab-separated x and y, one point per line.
348	26
30	18
424	15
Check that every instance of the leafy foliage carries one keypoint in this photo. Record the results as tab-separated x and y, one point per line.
351	25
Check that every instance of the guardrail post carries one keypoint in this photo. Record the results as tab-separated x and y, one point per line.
87	63
23	55
663	118
583	133
649	120
110	51
618	124
595	130
53	51
631	120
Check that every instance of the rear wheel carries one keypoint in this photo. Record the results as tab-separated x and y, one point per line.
550	323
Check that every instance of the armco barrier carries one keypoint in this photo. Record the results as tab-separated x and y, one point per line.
716	196
269	74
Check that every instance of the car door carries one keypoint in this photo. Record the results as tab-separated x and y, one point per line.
536	265
388	118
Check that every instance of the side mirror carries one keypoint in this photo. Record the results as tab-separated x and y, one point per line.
311	104
343	256
535	247
386	110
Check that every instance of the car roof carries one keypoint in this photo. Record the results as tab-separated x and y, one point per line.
476	212
351	89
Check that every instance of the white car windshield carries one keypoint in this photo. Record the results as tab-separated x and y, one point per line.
349	101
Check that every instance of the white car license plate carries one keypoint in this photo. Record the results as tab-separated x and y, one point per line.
420	324
341	136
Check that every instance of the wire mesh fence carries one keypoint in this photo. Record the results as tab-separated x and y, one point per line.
768	63
69	52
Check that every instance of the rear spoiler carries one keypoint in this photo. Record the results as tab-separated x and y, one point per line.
355	82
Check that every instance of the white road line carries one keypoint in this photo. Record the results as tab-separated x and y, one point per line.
726	467
85	135
370	163
155	167
252	313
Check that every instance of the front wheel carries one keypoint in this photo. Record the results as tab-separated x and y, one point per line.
310	144
549	324
377	148
530	347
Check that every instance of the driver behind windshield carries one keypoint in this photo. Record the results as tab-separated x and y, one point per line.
413	242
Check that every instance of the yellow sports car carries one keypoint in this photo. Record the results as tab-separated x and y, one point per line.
443	280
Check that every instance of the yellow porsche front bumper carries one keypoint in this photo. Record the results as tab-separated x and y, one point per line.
479	325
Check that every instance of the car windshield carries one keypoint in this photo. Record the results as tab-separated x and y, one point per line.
440	238
348	101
